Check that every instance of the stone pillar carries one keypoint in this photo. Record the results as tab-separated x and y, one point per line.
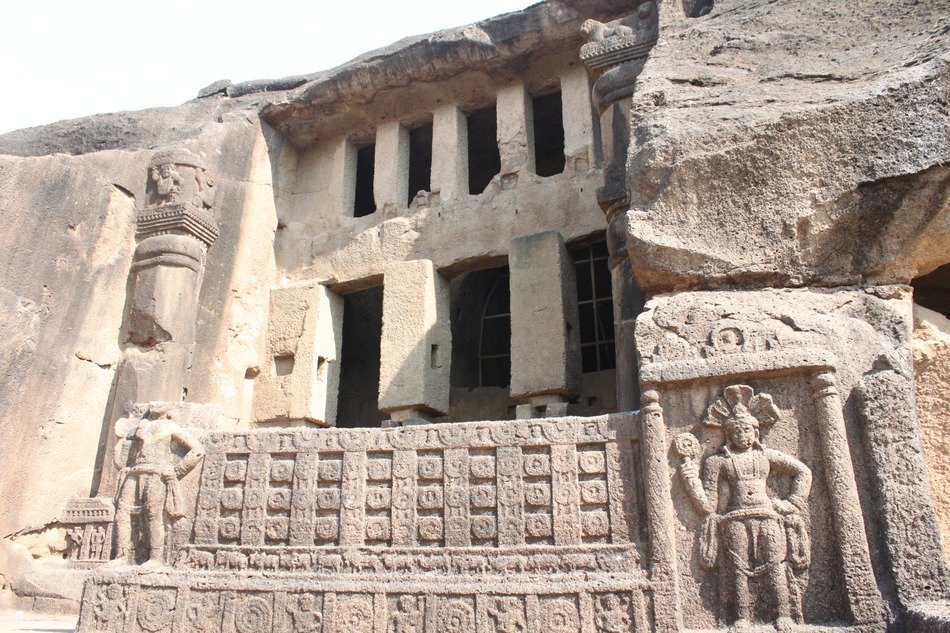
391	175
515	132
865	601
614	57
545	343
300	377
343	179
416	350
578	117
174	230
659	514
449	152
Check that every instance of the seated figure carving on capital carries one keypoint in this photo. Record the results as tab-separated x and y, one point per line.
749	534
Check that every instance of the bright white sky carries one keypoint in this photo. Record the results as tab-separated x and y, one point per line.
64	59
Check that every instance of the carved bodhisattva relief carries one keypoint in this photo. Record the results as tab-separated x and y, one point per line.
149	482
753	537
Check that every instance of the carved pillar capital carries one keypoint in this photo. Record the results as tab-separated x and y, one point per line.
180	194
614	56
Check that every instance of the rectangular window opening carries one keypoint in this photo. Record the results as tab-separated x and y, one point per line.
548	134
284	364
420	160
365	202
484	159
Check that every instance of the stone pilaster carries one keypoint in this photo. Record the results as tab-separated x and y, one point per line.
614	57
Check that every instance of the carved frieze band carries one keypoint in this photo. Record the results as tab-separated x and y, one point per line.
609	607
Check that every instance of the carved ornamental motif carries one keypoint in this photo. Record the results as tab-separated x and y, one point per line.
749	534
622	40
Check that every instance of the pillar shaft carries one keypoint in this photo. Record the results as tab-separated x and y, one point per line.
299	378
391	172
856	569
628	303
545	344
449	152
515	130
416	347
578	117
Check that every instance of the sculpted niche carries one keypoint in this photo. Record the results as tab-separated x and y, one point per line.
749	534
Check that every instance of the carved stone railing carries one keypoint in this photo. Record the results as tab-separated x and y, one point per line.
88	524
465	527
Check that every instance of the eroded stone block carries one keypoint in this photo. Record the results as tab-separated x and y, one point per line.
416	354
299	378
515	131
545	345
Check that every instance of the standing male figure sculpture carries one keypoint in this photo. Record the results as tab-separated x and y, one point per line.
148	480
752	535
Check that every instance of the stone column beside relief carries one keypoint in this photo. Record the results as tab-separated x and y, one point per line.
614	56
174	229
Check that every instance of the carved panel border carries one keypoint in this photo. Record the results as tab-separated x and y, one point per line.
818	367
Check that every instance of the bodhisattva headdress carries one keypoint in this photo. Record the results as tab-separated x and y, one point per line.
739	403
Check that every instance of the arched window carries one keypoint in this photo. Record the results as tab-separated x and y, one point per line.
494	347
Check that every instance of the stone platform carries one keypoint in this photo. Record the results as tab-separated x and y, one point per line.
531	524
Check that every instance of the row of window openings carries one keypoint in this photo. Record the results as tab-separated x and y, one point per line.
595	312
362	333
484	158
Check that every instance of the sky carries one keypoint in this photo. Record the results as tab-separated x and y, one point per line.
66	59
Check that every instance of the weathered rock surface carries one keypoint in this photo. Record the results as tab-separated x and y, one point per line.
931	345
792	143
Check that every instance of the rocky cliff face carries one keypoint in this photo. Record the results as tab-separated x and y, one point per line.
792	143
